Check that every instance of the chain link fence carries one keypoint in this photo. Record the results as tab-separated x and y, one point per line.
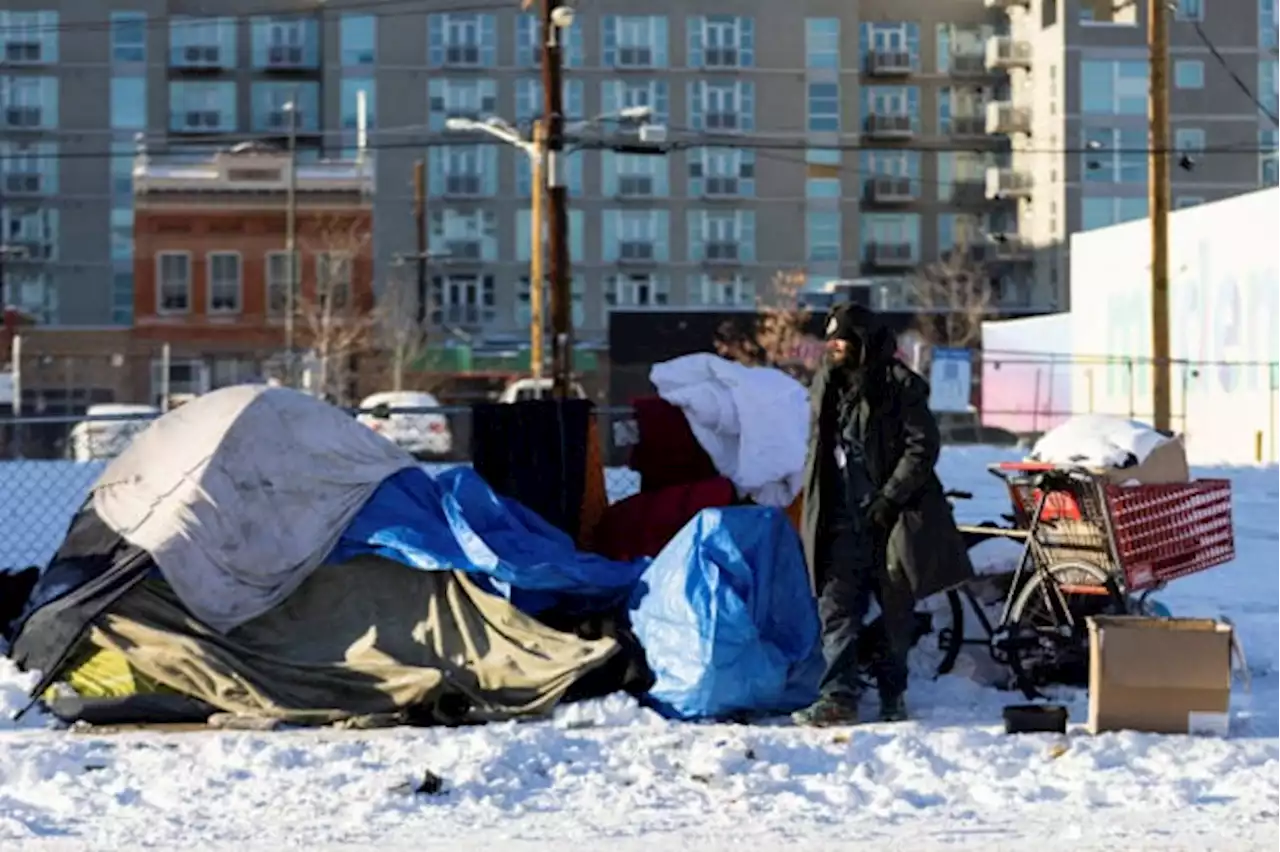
48	463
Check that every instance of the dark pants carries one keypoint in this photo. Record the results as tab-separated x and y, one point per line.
853	569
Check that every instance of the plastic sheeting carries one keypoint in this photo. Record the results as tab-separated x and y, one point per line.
456	522
726	617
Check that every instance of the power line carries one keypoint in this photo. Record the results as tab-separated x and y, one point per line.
1240	84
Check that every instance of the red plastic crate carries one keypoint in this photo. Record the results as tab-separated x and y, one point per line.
1167	531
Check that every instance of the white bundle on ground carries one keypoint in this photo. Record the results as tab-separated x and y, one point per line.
752	421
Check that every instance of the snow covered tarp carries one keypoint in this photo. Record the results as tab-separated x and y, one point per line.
726	617
1134	451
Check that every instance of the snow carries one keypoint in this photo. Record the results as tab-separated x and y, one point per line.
610	772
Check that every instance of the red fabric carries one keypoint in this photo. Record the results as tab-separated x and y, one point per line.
667	453
642	524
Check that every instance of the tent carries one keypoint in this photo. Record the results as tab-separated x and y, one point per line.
258	552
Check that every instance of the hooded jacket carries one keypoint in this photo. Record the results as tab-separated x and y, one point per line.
902	445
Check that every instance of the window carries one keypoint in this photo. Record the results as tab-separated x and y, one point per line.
634	41
225	282
34	228
1190	10
642	290
1267	23
275	107
962	49
29	38
463	171
721	41
822	43
470	236
33	293
1188	74
634	175
1268	82
891	101
1190	140
173	282
529	44
279	275
463	300
466	98
637	236
529	101
121	297
959	230
202	107
1114	156
349	102
722	236
1102	211
31	168
358	40
577	295
202	42
1181	202
822	235
722	173
903	165
572	169
617	95
128	37
285	42
890	46
722	290
129	103
722	107
961	171
122	234
824	107
966	106
1268	139
1113	87
892	235
333	280
462	40
29	102
577	236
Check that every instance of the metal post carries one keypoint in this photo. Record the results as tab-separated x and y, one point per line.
537	277
420	226
166	365
557	205
15	355
1158	188
291	244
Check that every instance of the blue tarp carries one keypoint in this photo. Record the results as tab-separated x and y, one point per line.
727	619
455	522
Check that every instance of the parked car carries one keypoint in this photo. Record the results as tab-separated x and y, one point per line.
95	439
523	389
420	433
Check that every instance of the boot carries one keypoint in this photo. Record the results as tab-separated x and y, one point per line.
828	711
893	708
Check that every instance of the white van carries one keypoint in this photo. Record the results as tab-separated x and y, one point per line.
423	433
524	389
95	439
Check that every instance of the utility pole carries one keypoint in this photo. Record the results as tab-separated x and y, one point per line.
553	19
1158	189
420	226
291	243
537	278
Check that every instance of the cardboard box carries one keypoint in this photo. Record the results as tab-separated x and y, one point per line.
1162	675
1164	465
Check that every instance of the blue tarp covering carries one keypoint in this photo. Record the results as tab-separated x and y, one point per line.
455	522
727	619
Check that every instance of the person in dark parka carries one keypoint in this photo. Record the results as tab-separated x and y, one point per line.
875	520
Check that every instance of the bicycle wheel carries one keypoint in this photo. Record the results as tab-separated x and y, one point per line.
951	635
939	634
1041	645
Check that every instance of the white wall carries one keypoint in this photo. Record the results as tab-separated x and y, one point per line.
1224	300
1026	374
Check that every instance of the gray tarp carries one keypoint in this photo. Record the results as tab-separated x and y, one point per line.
241	493
370	636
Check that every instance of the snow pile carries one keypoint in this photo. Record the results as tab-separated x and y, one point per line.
1097	440
611	773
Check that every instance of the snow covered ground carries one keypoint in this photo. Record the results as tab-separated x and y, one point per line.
610	774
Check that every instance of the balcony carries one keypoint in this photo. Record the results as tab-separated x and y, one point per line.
721	252
463	251
198	58
720	187
1005	52
883	255
889	126
462	56
463	186
887	189
23	184
1005	119
889	63
18	51
635	252
721	122
23	117
969	126
720	57
969	64
635	186
1009	248
1008	183
292	57
1007	4
196	121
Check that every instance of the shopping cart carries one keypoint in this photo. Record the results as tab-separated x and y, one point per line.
1090	547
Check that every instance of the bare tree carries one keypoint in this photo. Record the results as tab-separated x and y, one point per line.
399	333
335	316
952	297
778	337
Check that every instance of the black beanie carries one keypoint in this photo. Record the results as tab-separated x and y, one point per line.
848	322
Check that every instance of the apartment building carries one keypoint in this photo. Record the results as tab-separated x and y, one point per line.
1079	82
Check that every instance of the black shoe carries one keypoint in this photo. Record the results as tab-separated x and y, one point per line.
828	711
893	708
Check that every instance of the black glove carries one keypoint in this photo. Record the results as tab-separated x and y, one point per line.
882	513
